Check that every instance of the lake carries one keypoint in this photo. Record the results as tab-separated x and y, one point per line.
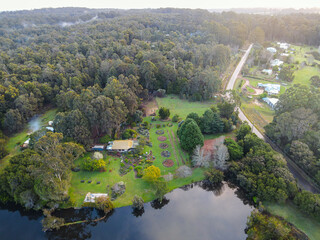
186	213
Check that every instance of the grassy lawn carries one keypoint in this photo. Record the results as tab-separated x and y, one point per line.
16	140
134	186
290	213
303	75
260	115
183	107
137	186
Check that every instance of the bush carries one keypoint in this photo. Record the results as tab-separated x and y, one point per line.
129	133
164	113
158	126
93	164
175	118
105	139
214	176
137	203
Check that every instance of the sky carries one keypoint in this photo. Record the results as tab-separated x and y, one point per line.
11	5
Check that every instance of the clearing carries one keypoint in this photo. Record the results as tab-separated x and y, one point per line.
17	139
137	186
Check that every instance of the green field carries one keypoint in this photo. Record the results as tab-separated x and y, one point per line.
137	186
16	140
290	213
300	53
183	107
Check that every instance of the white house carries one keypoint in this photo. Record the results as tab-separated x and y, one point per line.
271	89
50	129
272	49
91	197
271	101
267	71
284	54
50	123
284	45
276	62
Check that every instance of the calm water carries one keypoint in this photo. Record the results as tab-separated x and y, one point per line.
188	213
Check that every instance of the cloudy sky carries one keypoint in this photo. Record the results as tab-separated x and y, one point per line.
9	5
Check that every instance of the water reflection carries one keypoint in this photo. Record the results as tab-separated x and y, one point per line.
188	213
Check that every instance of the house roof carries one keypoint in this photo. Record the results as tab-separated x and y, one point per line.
122	144
98	147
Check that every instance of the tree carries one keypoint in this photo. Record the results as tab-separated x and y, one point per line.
211	122
315	81
54	161
13	121
301	154
257	35
90	164
286	74
152	173
190	135
226	109
164	113
261	226
175	118
243	131
137	203
234	149
195	117
214	176
50	222
129	133
221	156
199	159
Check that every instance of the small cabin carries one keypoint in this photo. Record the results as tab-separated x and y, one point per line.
97	148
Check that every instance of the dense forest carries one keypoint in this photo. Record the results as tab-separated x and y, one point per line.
75	57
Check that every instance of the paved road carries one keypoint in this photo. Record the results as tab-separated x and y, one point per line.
300	176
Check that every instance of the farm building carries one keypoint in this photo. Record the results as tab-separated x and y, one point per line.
122	145
276	62
91	197
97	148
271	49
271	89
267	71
271	101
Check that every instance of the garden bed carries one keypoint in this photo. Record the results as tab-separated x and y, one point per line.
162	138
165	154
168	163
160	132
163	145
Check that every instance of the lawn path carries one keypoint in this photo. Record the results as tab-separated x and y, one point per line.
176	144
173	148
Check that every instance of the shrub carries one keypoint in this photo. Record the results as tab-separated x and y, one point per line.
129	133
214	176
105	139
93	164
137	203
158	126
164	113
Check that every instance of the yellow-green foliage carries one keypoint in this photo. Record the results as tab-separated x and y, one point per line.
152	173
